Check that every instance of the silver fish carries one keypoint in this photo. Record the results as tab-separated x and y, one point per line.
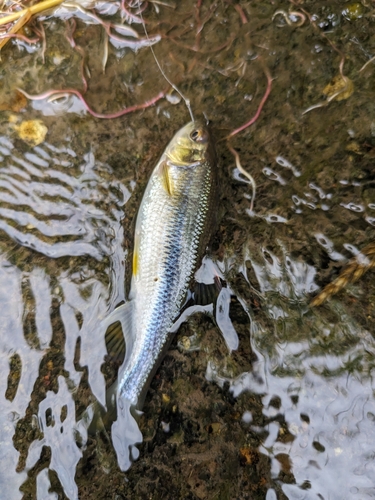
172	231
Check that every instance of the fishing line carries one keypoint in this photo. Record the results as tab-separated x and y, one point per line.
186	100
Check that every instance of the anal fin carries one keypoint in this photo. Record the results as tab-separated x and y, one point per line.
115	342
119	327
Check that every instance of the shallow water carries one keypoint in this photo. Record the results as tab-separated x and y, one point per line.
291	412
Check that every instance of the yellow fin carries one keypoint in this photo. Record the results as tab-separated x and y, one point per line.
136	254
135	262
166	179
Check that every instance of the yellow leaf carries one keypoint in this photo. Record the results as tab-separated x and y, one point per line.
340	88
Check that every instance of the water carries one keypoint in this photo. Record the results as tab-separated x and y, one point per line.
289	413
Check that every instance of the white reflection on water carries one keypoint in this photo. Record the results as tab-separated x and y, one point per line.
340	410
321	371
60	436
11	339
60	206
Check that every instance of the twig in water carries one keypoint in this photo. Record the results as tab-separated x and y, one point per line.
34	9
366	64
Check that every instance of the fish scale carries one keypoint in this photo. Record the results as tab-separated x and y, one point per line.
171	234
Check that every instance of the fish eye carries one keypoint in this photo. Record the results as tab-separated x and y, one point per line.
195	134
199	135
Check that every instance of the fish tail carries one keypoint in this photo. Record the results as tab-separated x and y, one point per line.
354	270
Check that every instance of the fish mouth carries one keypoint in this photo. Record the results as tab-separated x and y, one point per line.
189	146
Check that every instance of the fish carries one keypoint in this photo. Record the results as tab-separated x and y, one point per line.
173	227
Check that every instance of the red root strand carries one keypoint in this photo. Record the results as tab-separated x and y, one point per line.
20	37
71	27
129	15
122	112
259	110
44	42
241	13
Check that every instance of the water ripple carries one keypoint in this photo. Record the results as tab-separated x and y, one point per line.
321	376
59	214
59	206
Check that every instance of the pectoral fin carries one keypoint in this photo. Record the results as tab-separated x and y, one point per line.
166	178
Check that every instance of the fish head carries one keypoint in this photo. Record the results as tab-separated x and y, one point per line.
190	146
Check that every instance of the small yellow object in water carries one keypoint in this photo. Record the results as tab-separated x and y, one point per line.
32	131
185	343
353	11
216	428
340	88
165	398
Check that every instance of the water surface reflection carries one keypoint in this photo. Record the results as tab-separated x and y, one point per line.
289	413
314	373
62	207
